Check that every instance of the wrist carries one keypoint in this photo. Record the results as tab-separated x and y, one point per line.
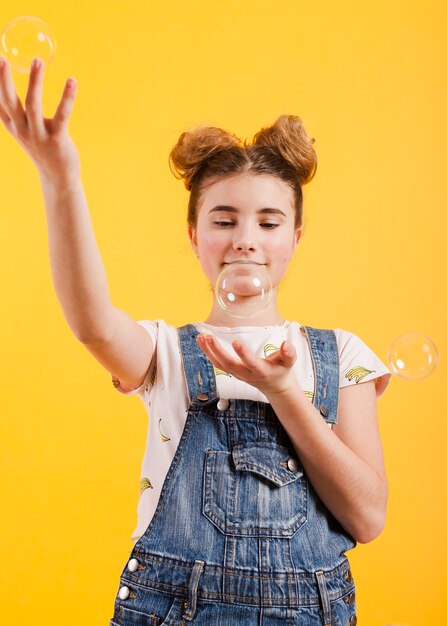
60	181
289	387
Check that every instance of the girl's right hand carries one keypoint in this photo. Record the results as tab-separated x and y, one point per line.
45	140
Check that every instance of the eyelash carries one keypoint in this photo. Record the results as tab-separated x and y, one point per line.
223	224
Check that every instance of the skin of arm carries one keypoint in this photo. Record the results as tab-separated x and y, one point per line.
76	265
345	464
78	272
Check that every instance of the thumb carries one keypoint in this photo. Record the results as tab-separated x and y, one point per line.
288	351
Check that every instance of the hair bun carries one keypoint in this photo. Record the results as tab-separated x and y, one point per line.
288	137
196	148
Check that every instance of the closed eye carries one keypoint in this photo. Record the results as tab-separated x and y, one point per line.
270	226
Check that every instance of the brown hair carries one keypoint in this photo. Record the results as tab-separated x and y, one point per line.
206	154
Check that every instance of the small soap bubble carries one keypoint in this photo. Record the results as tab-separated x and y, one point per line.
412	356
243	289
23	39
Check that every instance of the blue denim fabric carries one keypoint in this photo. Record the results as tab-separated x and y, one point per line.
239	535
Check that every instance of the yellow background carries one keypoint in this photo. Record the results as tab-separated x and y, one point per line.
369	80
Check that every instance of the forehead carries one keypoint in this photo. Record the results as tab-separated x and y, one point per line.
248	191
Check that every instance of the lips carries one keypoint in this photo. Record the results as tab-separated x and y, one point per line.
244	261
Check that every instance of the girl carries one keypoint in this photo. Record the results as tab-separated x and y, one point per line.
263	464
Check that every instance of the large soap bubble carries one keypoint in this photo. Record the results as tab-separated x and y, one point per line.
243	289
412	356
23	39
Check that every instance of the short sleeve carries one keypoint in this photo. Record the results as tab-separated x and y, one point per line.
152	329
358	363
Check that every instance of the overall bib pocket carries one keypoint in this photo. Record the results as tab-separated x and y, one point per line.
258	489
159	610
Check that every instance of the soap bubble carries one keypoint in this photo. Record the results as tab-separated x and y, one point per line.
412	356
243	289
24	38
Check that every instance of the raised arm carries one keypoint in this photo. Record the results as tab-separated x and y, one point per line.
76	266
121	345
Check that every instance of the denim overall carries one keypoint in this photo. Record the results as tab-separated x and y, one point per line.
239	535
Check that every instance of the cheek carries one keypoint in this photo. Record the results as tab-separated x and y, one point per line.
211	248
211	252
280	253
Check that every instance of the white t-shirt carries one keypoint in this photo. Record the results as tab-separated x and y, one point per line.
165	395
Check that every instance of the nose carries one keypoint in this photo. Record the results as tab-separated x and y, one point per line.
244	246
244	241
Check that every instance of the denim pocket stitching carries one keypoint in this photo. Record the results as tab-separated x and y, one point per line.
221	508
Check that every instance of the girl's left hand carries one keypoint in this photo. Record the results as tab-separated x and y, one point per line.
272	375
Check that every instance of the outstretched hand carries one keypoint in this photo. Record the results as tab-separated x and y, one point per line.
45	140
272	375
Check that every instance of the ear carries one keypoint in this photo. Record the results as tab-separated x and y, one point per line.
192	233
297	237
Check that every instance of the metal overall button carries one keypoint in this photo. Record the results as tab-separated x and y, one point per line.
324	410
124	593
202	397
292	465
132	566
223	405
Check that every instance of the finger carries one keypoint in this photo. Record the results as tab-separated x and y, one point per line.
63	111
246	355
9	99
33	101
288	348
210	353
287	353
222	359
7	121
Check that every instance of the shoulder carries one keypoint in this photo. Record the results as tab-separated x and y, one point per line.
157	327
359	362
347	340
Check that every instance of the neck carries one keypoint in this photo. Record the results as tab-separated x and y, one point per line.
268	317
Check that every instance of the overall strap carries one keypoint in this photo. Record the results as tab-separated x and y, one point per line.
325	361
198	369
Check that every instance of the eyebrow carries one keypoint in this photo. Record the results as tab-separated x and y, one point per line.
232	209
